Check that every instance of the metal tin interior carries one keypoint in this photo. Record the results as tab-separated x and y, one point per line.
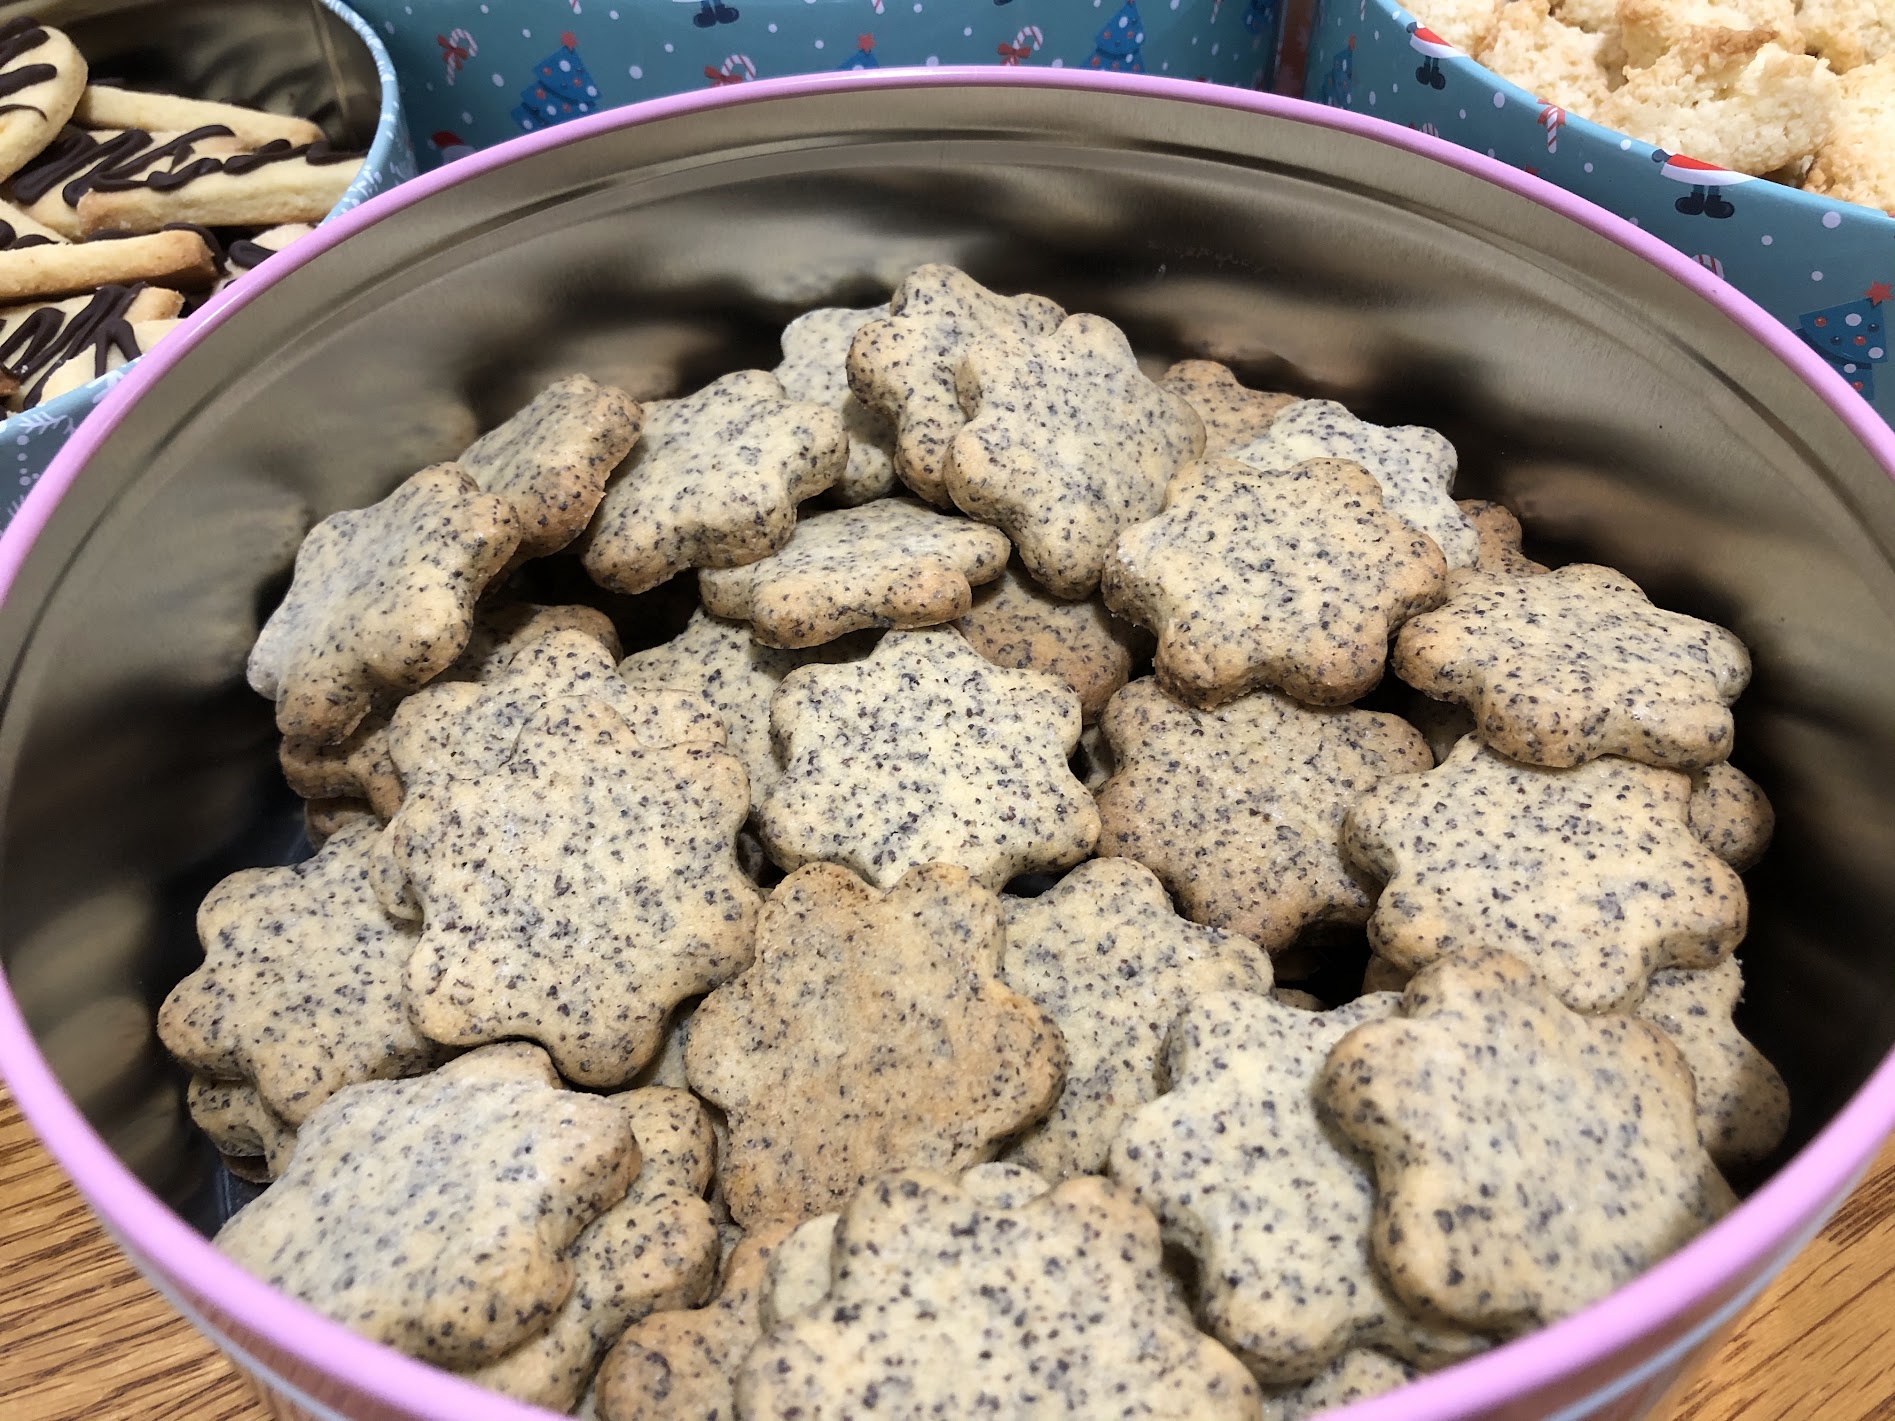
1627	421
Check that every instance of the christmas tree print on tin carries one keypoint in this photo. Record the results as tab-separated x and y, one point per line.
561	89
864	56
1852	337
1117	47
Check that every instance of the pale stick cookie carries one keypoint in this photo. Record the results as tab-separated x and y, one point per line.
620	897
19	230
1105	956
181	259
392	1219
84	369
919	1058
1743	1104
1015	622
1357	1375
107	106
1066	445
891	563
1290	579
254	1140
1561	63
905	367
1563	668
264	187
50	187
1592	875
725	664
41	78
713	481
654	1250
382	600
1848	33
815	367
1414	466
950	1307
553	457
1239	810
1498	538
1242	1172
1233	414
300	990
248	253
925	752
677	1366
96	333
1731	814
1596	1176
1857	161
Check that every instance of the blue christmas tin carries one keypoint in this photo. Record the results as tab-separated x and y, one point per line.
1826	269
475	74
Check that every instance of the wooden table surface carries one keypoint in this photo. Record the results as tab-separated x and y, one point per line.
82	1338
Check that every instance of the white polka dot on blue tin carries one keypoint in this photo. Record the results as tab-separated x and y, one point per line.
1852	319
917	7
1500	100
526	34
428	87
1492	154
1378	34
1832	219
1815	276
1392	88
667	49
1589	167
1371	98
1875	352
1768	239
20	439
483	9
773	28
819	44
466	117
933	61
1214	48
1625	145
1463	113
1164	66
1633	220
1058	64
611	14
966	30
389	25
498	82
636	71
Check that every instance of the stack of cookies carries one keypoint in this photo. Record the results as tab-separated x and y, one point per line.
983	959
120	209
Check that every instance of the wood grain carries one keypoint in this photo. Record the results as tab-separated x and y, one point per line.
82	1338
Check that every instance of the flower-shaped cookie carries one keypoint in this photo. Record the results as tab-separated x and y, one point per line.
1528	1159
1014	622
1563	668
1498	536
1067	444
1730	812
1233	414
1743	1104
1291	579
815	368
713	481
925	752
254	1140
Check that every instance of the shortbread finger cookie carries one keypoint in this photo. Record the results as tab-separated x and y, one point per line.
1498	537
1239	810
905	367
925	752
1563	668
392	1219
1357	1375
1743	1104
654	1250
552	458
1242	1171
1058	1308
1015	622
815	367
891	563
254	1140
1233	414
46	345
1732	815
19	231
1414	466
1592	875
279	182
248	253
621	897
84	369
41	78
713	481
1291	579
382	600
1066	445
921	1056
300	990
179	259
1104	955
721	661
108	106
51	186
1598	1175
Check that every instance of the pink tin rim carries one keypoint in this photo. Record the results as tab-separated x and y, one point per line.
1774	1221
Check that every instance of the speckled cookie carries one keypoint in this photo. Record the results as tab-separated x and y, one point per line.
1241	1171
1239	810
1592	875
655	1249
254	1140
1093	762
1743	1104
1596	1176
382	600
300	990
904	367
1414	466
1357	1375
892	563
324	818
1015	622
1291	579
713	481
1381	975
941	1306
1233	414
392	1219
815	368
1732	815
1497	540
919	1058
677	1366
621	895
551	460
1104	955
1563	668
1066	445
925	752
